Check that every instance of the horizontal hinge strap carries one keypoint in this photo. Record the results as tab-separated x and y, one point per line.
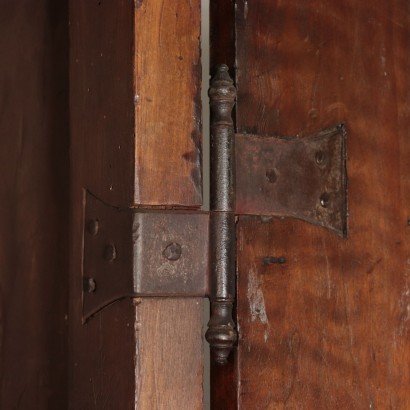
132	253
304	178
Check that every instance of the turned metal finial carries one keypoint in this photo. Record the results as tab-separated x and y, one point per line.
221	333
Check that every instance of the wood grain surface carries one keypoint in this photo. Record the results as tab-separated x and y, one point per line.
168	103
330	327
33	204
136	141
169	360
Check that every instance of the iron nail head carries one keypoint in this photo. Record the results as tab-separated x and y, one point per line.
173	251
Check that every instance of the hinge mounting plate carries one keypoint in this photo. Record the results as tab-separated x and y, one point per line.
134	252
304	178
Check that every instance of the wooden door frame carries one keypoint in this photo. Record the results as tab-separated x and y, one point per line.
135	141
34	204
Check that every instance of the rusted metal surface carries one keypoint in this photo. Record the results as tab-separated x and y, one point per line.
130	253
304	178
221	333
171	253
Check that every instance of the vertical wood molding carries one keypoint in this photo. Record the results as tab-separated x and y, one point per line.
330	327
168	103
168	171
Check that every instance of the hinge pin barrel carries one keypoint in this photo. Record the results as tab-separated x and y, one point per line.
221	333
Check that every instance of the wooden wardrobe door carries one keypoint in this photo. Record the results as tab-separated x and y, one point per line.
329	328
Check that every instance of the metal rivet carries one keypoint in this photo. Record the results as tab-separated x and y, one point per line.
408	222
110	253
320	158
93	226
325	200
172	252
90	285
271	176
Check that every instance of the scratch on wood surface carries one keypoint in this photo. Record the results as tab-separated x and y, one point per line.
315	85
329	282
373	265
245	10
137	357
338	106
94	394
404	311
256	300
160	23
349	328
240	241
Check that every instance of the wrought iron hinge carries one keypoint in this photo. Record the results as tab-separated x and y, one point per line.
144	252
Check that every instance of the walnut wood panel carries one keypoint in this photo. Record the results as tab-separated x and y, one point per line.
330	327
168	103
33	204
135	141
102	351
